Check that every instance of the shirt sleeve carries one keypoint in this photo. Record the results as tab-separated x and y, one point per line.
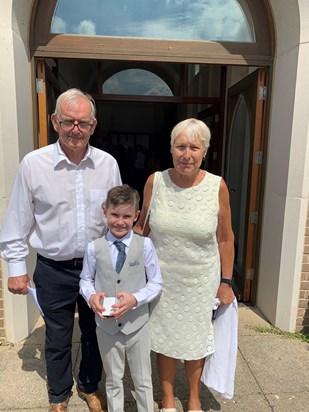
117	175
18	223
154	278
86	283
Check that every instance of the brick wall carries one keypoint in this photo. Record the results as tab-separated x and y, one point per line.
2	334
302	321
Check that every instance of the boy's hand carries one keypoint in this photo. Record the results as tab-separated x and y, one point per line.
127	302
95	304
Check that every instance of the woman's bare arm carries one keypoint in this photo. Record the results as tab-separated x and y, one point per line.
138	227
225	237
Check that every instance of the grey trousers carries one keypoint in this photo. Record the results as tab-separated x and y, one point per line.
114	350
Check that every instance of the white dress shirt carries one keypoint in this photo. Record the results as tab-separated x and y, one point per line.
55	205
154	278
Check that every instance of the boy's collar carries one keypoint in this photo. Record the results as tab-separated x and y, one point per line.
111	238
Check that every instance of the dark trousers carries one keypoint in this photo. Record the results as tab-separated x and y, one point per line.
57	285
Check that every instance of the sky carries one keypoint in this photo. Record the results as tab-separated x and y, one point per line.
217	20
136	82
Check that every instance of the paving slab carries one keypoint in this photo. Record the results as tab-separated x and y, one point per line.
272	374
276	362
289	402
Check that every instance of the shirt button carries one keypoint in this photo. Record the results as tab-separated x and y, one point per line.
119	325
118	281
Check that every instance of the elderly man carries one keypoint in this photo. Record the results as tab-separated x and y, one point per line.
56	206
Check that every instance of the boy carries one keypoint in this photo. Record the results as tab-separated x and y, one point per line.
125	331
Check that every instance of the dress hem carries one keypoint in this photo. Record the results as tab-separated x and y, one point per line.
184	359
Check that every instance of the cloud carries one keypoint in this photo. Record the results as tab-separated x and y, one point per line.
217	20
176	2
223	20
87	27
58	25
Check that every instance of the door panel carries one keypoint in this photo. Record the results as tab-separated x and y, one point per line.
245	122
47	88
42	107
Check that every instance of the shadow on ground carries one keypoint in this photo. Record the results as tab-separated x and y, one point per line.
31	354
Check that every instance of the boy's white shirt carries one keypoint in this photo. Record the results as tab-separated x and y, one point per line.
154	278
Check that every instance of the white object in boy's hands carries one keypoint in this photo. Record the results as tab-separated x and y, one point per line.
107	304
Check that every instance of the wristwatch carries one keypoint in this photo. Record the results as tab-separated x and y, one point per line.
228	281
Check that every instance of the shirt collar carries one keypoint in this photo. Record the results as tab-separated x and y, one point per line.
126	239
60	156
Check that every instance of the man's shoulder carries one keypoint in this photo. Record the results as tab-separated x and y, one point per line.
40	151
102	155
38	157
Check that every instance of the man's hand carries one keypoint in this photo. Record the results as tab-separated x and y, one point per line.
18	284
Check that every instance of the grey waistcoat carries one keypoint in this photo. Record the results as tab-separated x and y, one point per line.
131	278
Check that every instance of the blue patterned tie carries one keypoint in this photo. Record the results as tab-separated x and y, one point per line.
121	255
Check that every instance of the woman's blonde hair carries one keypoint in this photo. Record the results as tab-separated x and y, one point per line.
193	129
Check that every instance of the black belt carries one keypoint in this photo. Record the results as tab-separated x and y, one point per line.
76	263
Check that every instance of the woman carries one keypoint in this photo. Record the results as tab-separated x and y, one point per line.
190	225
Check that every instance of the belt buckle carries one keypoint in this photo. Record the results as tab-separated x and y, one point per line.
77	263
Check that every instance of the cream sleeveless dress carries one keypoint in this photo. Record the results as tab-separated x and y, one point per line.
183	225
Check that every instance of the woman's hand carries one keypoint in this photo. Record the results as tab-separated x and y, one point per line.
225	294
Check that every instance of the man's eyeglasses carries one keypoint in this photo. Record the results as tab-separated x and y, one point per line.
68	126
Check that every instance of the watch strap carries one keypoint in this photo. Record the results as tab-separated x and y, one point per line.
228	281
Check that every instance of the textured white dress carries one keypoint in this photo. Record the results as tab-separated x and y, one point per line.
183	225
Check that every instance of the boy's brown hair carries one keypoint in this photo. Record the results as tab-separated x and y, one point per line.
122	195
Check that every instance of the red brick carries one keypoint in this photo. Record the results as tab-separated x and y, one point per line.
305	267
303	303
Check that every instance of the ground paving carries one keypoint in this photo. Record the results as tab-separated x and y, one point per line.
272	374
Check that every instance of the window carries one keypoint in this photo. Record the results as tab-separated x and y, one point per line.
238	32
216	20
136	82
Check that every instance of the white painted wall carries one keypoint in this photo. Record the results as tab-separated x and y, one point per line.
287	182
16	138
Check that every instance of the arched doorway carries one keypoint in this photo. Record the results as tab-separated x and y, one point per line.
197	71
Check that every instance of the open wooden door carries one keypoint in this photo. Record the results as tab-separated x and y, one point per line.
42	106
245	125
47	89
